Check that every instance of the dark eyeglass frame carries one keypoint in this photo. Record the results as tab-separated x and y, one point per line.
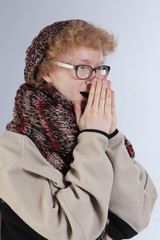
75	67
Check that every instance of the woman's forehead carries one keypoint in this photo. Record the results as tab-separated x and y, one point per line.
82	53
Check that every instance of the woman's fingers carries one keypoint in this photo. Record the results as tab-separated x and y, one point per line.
98	93
91	95
100	98
103	95
113	111
108	84
107	108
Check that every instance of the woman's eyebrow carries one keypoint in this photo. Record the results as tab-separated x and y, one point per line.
87	62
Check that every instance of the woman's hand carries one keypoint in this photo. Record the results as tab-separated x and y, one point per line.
99	112
113	110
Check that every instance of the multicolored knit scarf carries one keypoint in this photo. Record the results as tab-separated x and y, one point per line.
48	119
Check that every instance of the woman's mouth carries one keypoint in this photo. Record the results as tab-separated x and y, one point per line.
84	94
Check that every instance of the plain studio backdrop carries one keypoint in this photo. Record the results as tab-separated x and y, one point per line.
135	66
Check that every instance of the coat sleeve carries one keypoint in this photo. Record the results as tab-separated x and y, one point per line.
133	193
75	210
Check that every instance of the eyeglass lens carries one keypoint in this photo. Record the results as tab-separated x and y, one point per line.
85	71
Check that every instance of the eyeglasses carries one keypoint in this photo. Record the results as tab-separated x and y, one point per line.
84	72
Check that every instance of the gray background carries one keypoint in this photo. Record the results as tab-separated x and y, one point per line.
134	66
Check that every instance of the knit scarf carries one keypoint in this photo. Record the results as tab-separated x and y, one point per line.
48	119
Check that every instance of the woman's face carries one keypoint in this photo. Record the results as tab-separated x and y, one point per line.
65	80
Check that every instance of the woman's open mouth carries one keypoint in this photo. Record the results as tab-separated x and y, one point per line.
84	94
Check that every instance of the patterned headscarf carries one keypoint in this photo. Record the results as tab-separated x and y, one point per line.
39	45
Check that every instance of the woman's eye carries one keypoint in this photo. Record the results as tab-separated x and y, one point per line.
100	68
81	67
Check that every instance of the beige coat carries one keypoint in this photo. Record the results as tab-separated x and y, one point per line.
75	207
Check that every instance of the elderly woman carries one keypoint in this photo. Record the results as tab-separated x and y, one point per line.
66	172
